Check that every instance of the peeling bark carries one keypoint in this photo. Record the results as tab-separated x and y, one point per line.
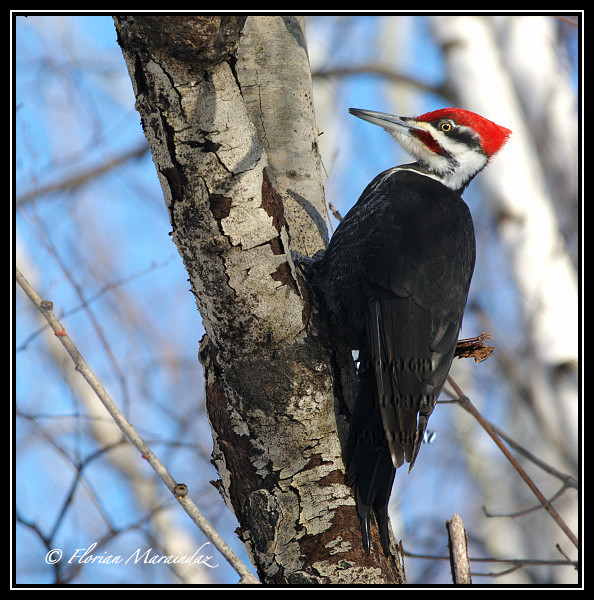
241	180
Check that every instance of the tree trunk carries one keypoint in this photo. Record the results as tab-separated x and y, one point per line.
226	107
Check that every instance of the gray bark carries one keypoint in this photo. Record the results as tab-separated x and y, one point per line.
226	107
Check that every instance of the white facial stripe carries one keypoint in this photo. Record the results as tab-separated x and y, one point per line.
410	143
464	162
454	167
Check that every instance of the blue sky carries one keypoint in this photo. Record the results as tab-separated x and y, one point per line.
75	108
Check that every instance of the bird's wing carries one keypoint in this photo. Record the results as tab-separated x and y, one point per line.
416	288
411	355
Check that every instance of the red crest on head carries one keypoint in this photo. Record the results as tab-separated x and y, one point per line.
493	136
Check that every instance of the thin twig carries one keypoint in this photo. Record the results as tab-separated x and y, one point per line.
46	309
333	210
386	72
467	405
69	184
519	562
568	480
568	20
526	511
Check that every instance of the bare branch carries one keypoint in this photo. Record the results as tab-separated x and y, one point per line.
526	511
71	183
467	405
388	73
475	348
46	309
458	547
517	563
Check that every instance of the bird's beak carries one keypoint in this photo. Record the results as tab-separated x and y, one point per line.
388	122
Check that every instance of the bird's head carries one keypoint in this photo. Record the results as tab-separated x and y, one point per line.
451	144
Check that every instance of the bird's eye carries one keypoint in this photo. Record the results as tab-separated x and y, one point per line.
445	126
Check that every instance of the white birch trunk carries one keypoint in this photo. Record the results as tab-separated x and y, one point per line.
240	197
491	74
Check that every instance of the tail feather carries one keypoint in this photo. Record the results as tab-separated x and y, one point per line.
400	378
369	465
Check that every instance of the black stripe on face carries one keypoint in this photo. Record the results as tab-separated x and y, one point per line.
458	133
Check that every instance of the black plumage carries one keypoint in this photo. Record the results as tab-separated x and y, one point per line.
396	276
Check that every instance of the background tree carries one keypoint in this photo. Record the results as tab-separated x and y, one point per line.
88	236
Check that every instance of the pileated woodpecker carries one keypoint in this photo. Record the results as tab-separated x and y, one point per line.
396	276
